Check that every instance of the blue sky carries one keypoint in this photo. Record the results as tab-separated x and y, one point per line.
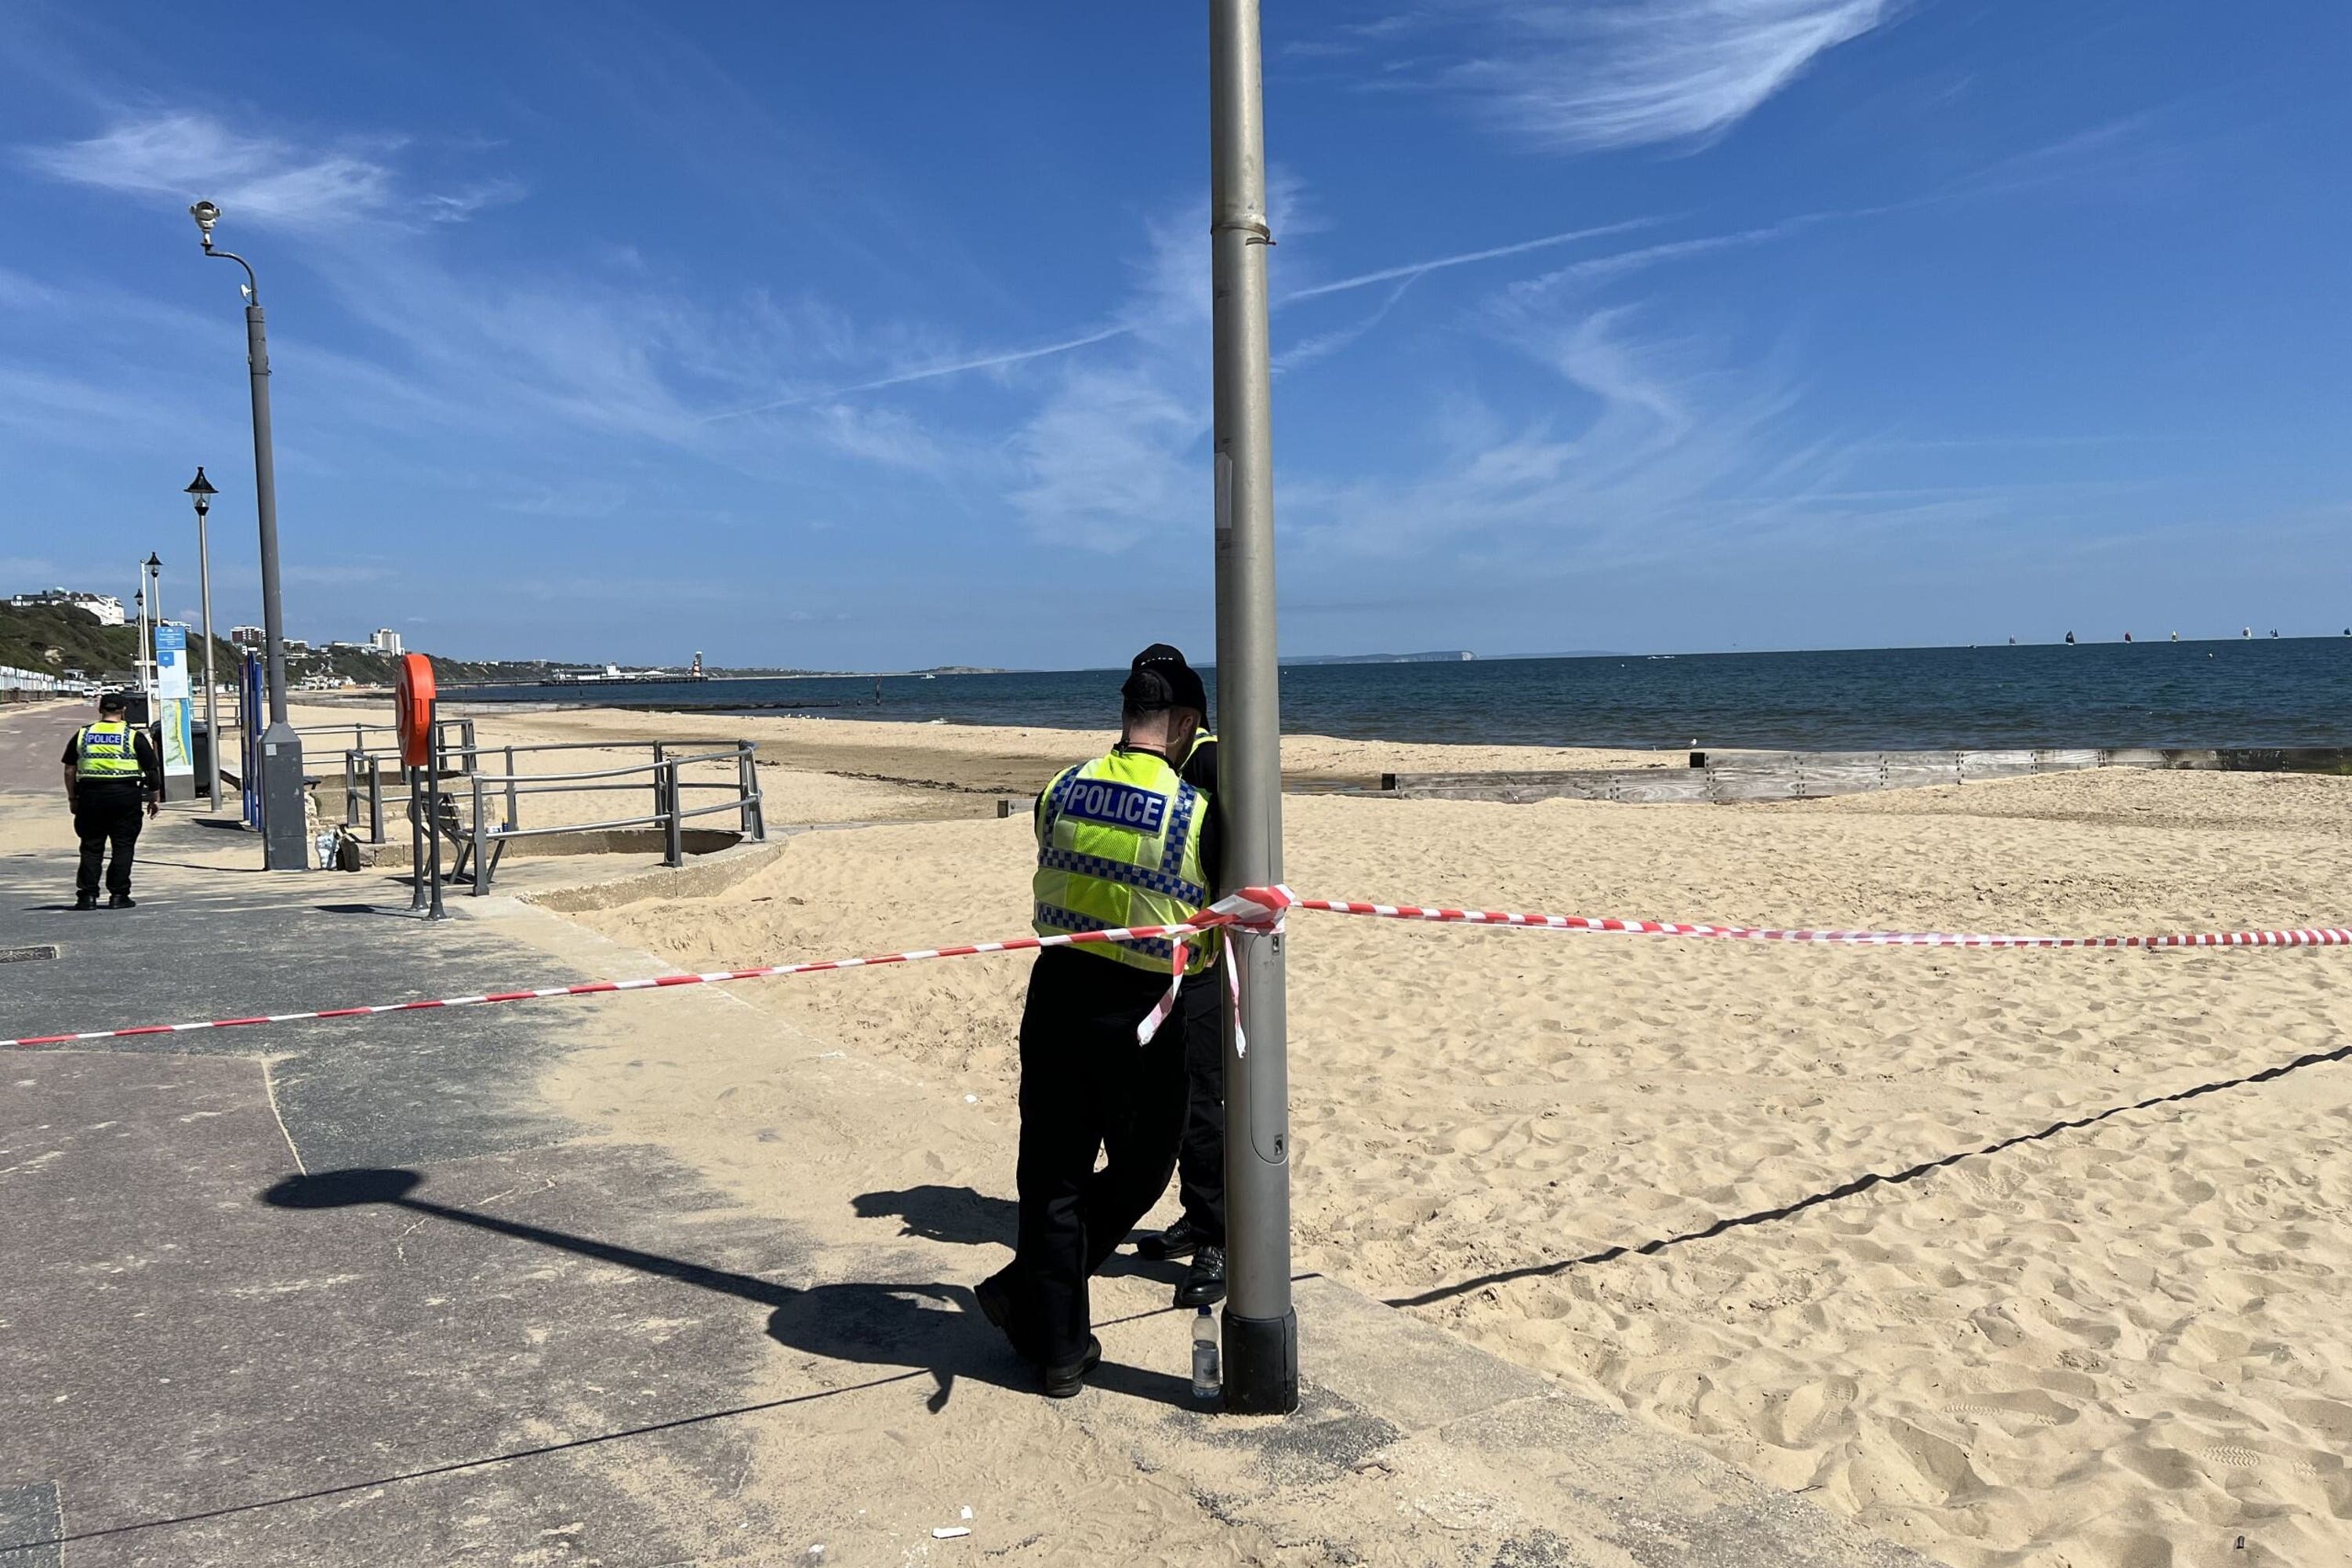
877	335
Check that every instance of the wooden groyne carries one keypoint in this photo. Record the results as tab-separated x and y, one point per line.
1721	778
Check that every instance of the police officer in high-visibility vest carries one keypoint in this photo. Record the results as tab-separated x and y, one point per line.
112	772
1120	843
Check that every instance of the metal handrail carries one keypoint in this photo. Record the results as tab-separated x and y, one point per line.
707	810
628	772
495	834
487	838
469	750
496	780
599	745
377	796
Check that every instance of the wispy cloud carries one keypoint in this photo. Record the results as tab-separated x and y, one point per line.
1111	457
1654	441
255	178
1613	73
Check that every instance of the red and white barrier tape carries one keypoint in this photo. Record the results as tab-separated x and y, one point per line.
1209	921
2327	936
1261	910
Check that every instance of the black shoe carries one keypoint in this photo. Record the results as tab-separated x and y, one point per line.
1062	1382
121	901
1205	1282
1177	1241
85	900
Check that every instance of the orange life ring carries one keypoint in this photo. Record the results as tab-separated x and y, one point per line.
413	709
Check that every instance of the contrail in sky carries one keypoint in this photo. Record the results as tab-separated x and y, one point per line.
1415	269
1018	356
927	372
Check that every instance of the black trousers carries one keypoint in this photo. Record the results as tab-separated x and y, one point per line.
107	814
1087	1089
1201	1151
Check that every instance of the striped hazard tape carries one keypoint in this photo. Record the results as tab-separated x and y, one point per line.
2312	936
1261	910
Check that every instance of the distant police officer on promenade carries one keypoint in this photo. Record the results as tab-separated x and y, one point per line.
1120	843
112	772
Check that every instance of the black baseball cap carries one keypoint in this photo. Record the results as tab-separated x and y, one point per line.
1161	678
114	702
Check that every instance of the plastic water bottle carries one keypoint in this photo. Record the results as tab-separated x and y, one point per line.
1206	1382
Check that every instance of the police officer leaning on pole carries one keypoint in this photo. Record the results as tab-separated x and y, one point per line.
1120	842
111	771
1200	1231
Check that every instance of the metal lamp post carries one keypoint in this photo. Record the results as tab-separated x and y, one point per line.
150	578
202	492
285	843
1261	1330
139	649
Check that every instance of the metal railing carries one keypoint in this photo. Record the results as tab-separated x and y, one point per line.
496	796
364	767
462	728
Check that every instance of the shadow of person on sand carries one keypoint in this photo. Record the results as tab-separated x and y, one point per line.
927	1325
958	1216
961	1216
939	1329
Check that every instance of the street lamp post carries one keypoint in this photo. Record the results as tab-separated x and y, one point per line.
139	649
285	844
202	492
152	582
150	579
1261	1330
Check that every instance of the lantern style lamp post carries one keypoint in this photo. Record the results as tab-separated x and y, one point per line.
202	492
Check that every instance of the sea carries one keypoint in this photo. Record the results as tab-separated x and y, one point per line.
2290	691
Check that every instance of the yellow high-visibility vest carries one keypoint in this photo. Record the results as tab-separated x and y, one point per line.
1118	843
105	753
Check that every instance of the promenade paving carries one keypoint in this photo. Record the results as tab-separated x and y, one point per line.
359	1292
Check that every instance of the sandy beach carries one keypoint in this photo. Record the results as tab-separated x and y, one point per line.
1641	1166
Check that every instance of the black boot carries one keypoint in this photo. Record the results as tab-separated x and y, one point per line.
1177	1241
85	900
1064	1382
121	901
1205	1282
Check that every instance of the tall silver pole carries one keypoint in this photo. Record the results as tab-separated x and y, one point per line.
156	656
212	718
285	839
265	496
1261	1330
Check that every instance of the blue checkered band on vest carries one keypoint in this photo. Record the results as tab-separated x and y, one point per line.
1172	859
1059	799
1142	877
1070	919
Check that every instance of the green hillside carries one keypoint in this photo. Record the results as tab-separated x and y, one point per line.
60	639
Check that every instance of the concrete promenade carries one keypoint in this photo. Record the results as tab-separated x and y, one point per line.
362	1292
